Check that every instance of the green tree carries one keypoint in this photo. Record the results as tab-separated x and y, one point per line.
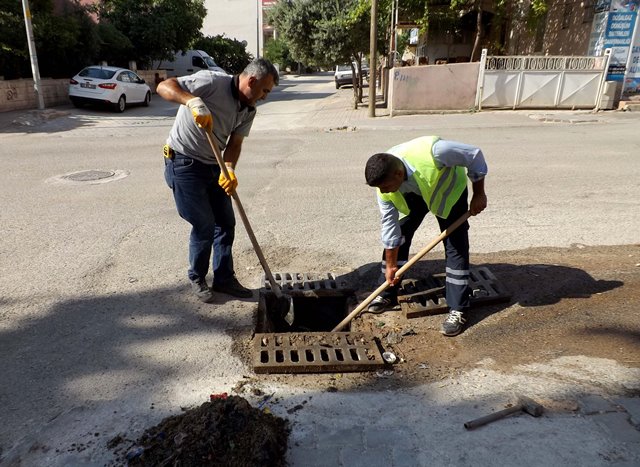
295	20
230	54
64	42
277	51
326	32
156	28
14	56
453	15
114	47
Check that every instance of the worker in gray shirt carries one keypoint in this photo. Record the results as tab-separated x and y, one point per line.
225	105
413	178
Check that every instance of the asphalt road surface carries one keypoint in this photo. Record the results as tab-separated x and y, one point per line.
99	334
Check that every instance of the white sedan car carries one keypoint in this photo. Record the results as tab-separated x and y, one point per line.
116	87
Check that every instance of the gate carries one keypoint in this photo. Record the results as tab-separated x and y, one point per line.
526	81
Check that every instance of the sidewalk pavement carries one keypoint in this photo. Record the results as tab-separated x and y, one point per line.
336	112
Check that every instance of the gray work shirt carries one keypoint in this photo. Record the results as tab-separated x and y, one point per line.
220	94
445	154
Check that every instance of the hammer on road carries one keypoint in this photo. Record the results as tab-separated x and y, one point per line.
524	405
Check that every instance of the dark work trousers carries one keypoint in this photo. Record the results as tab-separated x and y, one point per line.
203	204
456	249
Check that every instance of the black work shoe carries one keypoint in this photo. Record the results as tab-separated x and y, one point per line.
202	290
454	323
381	304
234	288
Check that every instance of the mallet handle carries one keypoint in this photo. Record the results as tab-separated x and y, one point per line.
492	417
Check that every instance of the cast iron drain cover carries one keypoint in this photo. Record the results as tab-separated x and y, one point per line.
302	281
426	297
317	352
89	175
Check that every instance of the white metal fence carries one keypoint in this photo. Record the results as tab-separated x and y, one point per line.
526	81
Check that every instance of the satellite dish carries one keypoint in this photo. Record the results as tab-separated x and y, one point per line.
244	43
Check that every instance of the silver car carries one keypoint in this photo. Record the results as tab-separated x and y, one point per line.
115	87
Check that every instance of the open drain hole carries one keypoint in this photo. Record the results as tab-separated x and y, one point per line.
311	314
308	344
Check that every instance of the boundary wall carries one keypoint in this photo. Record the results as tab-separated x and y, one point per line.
19	94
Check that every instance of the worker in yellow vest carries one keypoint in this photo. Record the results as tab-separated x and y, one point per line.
413	178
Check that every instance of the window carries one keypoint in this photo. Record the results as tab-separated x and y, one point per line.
197	61
99	73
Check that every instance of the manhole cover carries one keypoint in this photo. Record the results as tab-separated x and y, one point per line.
89	175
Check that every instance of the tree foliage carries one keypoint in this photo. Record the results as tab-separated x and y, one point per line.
326	32
229	54
277	51
64	42
68	38
156	28
13	40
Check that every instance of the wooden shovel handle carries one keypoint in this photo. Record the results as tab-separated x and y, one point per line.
245	220
444	234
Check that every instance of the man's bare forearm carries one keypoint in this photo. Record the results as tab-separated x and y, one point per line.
170	90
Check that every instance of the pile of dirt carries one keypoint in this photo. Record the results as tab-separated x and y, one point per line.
227	431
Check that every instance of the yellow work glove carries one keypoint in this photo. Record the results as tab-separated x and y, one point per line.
201	113
230	184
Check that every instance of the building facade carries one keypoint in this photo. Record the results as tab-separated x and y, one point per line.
243	20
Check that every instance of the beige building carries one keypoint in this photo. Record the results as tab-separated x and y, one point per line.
239	19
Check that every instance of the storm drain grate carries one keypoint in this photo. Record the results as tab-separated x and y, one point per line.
426	297
317	352
303	281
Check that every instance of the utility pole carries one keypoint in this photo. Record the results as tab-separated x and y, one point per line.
258	28
32	54
373	62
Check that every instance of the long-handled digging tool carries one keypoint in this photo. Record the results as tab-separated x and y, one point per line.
284	303
444	234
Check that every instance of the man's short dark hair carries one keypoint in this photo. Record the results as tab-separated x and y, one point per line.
261	67
379	167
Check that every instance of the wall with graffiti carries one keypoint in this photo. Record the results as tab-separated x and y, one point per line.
18	94
433	87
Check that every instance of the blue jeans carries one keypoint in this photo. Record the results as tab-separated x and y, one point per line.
203	204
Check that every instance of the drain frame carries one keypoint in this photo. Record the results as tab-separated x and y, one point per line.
308	351
318	352
426	297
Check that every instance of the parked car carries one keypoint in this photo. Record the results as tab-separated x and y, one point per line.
115	87
343	75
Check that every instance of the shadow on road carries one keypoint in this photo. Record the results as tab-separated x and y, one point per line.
66	117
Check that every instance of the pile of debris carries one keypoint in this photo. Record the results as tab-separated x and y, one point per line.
227	431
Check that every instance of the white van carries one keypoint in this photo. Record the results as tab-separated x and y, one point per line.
187	63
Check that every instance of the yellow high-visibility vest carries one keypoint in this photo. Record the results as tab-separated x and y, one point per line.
440	187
